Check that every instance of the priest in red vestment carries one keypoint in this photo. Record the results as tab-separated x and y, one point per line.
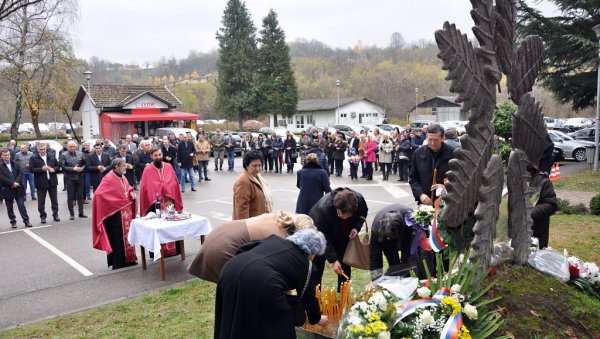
113	208
160	179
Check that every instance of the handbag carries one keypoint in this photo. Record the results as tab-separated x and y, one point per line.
294	155
358	252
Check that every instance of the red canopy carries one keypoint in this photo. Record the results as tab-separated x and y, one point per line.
173	115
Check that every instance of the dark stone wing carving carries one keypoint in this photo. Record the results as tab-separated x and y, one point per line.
486	214
484	32
505	33
519	206
529	132
528	60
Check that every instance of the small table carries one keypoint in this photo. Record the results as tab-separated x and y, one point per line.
151	233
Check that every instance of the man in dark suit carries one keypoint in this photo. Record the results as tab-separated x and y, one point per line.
129	165
73	164
11	178
185	152
44	168
353	142
97	164
169	152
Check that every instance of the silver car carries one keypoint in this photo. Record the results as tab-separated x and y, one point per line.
572	149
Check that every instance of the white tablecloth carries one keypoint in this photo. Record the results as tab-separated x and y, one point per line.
153	232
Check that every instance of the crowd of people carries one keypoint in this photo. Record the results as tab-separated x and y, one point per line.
285	251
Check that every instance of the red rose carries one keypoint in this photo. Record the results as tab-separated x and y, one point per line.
573	271
493	270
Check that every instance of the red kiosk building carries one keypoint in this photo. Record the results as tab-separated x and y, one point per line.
113	111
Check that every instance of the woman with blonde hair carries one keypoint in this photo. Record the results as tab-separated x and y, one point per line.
223	241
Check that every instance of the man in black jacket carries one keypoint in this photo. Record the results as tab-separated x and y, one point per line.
44	168
169	152
428	160
73	164
97	165
339	214
11	177
185	152
544	207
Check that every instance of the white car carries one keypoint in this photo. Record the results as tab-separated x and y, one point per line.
571	148
43	128
460	128
577	123
55	145
92	142
24	129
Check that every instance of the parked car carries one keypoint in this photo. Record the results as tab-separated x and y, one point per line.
43	127
420	123
347	128
237	148
575	124
23	128
92	142
584	134
165	131
460	128
56	126
390	127
572	149
281	131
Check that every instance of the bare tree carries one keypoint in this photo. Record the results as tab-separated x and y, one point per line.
24	39
397	41
7	7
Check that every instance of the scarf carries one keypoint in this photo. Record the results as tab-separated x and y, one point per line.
264	186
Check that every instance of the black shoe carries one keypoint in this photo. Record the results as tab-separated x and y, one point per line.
182	191
220	168
81	215
13	225
43	221
216	169
57	219
207	179
33	198
72	217
193	190
27	224
64	189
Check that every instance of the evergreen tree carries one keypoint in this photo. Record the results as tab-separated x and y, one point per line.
276	90
236	64
571	48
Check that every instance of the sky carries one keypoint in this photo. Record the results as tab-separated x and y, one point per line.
139	31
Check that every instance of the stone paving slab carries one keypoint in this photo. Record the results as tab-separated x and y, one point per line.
576	197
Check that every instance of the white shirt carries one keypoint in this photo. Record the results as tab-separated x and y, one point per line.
45	163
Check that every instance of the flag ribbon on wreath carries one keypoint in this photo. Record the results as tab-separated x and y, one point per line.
436	241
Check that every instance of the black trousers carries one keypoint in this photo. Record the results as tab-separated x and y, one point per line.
75	193
51	191
369	169
339	166
20	205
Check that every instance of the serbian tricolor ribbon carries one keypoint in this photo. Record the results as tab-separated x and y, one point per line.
412	306
452	327
437	244
441	293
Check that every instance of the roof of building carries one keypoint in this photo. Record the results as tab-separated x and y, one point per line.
439	101
117	96
327	104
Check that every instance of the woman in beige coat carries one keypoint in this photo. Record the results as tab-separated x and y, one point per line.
202	147
223	241
251	192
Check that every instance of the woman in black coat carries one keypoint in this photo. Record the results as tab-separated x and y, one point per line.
252	301
313	183
289	145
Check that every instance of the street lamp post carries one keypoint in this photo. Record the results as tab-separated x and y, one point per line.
416	99
88	75
597	135
338	83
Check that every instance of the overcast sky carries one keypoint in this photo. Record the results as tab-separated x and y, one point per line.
145	30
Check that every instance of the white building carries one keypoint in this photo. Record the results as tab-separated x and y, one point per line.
438	109
325	113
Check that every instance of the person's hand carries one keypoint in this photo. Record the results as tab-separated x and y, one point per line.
425	200
168	158
337	268
51	170
132	196
15	185
324	320
353	234
179	164
438	186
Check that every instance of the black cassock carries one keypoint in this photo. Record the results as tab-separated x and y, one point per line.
114	232
251	301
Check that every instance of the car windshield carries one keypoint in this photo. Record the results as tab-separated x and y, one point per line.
562	135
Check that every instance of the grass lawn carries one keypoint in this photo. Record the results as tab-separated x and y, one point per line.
586	181
188	310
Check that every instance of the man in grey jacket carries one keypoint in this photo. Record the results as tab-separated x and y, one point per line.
22	160
73	164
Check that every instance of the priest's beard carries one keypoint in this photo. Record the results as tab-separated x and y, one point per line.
157	163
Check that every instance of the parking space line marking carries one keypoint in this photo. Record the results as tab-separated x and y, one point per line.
224	202
59	253
13	231
380	202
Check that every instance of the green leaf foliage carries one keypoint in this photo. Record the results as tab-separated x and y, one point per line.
236	64
503	117
276	88
571	48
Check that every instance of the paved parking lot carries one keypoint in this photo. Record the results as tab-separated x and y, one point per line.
52	269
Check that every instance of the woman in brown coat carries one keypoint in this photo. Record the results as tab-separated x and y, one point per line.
251	192
224	240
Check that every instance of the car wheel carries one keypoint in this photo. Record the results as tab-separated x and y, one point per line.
579	154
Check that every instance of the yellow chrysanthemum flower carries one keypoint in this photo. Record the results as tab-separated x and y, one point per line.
452	304
464	333
374	317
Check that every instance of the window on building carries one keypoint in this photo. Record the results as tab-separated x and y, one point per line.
343	115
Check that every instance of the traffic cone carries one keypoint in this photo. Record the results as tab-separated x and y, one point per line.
552	176
557	173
